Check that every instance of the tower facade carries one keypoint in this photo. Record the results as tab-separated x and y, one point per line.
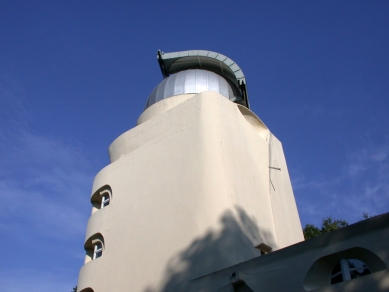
198	185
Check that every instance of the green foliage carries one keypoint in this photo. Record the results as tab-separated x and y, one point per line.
328	224
311	231
74	289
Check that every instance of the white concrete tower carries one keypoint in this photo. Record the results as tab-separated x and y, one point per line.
198	185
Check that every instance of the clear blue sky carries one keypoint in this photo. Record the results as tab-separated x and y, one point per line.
74	75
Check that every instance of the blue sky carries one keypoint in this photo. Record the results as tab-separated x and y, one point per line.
74	75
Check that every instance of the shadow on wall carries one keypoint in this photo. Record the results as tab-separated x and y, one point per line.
230	245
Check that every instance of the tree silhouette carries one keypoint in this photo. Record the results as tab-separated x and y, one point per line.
328	224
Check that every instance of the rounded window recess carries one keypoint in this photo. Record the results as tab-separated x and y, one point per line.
342	266
101	198
347	269
87	290
94	247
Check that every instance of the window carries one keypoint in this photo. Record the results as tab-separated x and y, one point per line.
98	250
94	247
105	200
347	269
101	198
341	266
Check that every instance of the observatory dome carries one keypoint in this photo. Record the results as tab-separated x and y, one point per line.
191	81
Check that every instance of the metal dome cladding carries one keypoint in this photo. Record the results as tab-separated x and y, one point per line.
191	81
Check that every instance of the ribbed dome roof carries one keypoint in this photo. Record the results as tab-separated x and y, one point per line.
190	81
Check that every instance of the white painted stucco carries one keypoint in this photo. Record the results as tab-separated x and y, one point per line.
192	192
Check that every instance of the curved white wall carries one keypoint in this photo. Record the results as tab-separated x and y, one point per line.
191	195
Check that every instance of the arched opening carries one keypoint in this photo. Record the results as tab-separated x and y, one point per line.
94	247
101	198
87	290
326	271
347	269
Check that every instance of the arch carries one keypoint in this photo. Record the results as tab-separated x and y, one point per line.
87	290
347	269
94	247
101	198
319	274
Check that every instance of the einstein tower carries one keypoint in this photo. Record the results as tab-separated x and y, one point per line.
198	185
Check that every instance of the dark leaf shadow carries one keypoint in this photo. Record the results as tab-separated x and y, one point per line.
216	250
